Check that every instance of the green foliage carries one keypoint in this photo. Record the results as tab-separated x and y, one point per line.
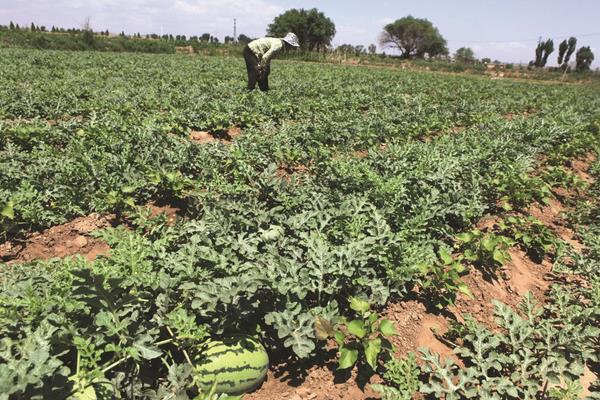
533	351
573	391
401	379
414	37
542	52
488	250
584	59
517	189
564	178
313	28
565	50
441	279
348	189
464	55
535	238
363	340
83	40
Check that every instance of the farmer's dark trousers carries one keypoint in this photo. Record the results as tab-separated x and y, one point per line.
253	73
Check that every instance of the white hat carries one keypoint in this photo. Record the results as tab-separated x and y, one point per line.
291	39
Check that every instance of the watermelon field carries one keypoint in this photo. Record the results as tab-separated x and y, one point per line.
354	233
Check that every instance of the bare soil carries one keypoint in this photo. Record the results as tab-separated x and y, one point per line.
226	137
290	172
170	211
60	241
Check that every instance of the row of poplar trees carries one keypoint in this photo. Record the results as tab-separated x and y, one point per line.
583	58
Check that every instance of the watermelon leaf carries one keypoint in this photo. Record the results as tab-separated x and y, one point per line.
358	305
146	351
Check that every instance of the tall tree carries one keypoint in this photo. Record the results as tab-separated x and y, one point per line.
562	50
372	49
313	28
570	50
542	52
584	59
414	37
464	55
565	50
11	26
548	49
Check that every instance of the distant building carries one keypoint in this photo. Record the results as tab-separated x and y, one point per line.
495	69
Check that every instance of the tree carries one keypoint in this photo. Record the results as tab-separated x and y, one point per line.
88	34
486	60
464	55
414	37
372	49
565	50
243	39
11	26
205	37
32	27
584	59
548	49
229	39
542	52
313	28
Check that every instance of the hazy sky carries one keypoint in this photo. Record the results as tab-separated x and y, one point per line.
506	29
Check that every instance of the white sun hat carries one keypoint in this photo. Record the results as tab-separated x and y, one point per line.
291	39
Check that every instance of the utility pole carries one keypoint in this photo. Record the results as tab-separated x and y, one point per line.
234	30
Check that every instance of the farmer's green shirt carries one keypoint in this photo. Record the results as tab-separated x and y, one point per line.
265	49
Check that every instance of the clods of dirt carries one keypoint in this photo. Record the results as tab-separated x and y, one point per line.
226	136
583	164
320	383
418	328
287	172
60	241
168	210
200	137
511	116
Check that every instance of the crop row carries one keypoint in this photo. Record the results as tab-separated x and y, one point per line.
253	253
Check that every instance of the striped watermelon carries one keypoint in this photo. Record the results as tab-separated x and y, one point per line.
238	364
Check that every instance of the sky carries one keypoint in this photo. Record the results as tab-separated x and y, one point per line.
507	30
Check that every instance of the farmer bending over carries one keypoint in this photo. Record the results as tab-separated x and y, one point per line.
258	55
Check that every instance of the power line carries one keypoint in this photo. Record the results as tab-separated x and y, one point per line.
523	40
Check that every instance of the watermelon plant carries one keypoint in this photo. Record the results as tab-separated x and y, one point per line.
331	190
401	379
